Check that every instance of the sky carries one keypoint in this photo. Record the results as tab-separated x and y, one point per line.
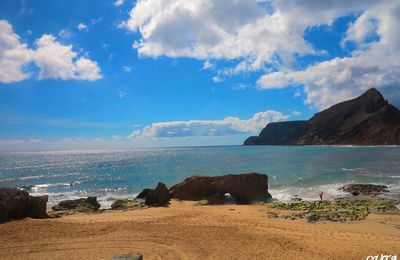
154	73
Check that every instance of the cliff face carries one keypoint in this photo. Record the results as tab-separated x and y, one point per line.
366	120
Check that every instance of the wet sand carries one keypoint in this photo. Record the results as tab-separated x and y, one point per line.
184	231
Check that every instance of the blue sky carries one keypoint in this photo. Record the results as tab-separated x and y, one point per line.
105	74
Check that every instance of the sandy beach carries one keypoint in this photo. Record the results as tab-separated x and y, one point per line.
184	231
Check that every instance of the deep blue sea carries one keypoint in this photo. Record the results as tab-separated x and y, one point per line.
299	170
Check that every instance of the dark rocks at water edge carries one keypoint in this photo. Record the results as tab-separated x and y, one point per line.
244	188
366	120
17	204
157	197
89	204
364	189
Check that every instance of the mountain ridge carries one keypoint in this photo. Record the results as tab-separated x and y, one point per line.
366	120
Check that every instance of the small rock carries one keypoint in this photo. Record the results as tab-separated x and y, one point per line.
128	257
273	215
312	218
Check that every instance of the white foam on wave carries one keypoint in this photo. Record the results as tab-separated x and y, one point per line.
35	177
104	196
330	191
45	186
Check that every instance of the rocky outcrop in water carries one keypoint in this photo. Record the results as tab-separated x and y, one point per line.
366	120
89	204
245	188
17	204
364	189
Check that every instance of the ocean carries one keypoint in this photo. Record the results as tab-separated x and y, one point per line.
293	170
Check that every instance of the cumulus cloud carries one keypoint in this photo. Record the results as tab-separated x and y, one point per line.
226	126
55	60
14	55
214	30
269	36
59	61
374	64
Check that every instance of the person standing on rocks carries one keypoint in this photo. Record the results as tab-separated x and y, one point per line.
320	196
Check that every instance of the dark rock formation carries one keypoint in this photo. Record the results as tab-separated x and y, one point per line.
38	206
245	188
159	196
17	204
364	189
89	204
143	194
366	120
282	133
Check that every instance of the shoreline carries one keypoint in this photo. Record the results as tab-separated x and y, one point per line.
280	193
185	231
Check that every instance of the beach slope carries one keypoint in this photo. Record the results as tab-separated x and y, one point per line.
184	231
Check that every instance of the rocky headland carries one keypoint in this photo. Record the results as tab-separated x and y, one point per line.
366	120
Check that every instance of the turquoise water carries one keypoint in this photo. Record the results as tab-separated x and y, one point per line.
302	171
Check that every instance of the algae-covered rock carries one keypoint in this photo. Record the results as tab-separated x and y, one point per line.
342	209
127	204
201	203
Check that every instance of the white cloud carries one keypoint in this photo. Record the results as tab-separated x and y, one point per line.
224	127
363	27
218	79
269	36
208	65
65	33
96	20
82	27
14	55
296	113
127	69
54	59
60	61
215	30
119	2
274	80
374	64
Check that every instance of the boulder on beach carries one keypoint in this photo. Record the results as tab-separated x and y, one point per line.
38	206
122	204
364	189
89	204
159	196
245	188
17	204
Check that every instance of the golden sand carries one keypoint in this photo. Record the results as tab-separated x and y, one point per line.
184	231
